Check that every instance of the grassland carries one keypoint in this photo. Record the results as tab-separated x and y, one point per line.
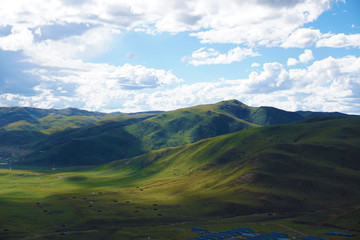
93	204
300	178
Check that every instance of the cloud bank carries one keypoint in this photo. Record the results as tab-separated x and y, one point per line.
59	38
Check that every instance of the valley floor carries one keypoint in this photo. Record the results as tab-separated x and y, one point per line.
94	204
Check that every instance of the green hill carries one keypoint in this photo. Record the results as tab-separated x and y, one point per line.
31	115
88	138
93	144
310	165
188	125
25	126
192	124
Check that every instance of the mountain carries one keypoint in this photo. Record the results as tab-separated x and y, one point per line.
266	116
24	126
188	125
309	164
93	144
94	138
192	124
31	115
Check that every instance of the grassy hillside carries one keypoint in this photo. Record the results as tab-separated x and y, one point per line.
52	123
266	116
23	126
188	125
314	165
192	124
76	137
301	178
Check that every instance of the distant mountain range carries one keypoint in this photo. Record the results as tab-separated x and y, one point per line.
71	137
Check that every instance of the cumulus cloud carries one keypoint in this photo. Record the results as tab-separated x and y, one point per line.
205	56
251	22
303	37
306	56
101	86
303	58
273	76
262	24
292	61
331	84
65	78
340	41
20	38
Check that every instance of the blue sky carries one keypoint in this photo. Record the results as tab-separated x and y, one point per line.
141	55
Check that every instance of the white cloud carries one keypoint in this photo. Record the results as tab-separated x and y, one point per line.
303	58
292	61
19	39
61	64
340	41
261	24
331	84
303	37
255	65
251	22
66	78
209	56
274	76
102	86
69	51
306	56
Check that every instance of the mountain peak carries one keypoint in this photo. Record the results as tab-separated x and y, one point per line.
232	101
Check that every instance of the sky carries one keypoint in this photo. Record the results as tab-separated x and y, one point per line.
140	55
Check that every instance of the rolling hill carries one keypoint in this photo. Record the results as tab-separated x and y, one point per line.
31	115
87	138
311	165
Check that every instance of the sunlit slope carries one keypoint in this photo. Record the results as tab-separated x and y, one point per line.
266	116
309	165
189	125
192	124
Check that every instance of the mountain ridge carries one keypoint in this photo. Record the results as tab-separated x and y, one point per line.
95	138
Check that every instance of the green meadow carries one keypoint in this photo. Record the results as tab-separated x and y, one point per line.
103	204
